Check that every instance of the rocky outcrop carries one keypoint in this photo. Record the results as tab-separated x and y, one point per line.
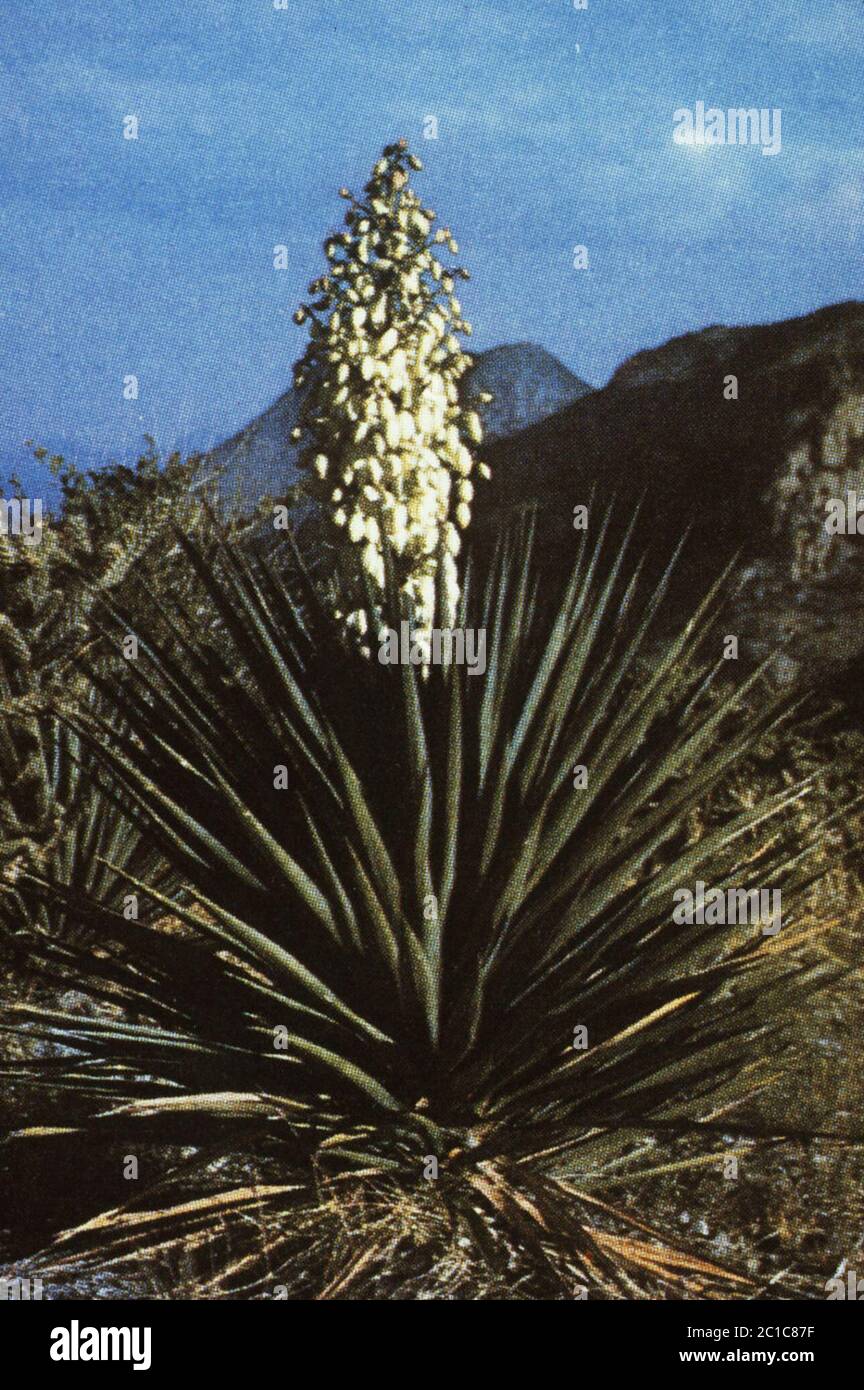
745	465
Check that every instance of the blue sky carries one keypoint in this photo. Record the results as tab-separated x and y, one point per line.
155	256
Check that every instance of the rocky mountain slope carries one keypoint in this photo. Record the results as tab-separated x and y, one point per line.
748	476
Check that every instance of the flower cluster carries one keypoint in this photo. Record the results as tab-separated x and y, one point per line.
387	434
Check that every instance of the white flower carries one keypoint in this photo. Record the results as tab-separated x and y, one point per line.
373	563
473	427
400	406
464	461
398	527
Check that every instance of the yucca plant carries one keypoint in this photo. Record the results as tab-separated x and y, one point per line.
92	843
397	910
109	526
51	816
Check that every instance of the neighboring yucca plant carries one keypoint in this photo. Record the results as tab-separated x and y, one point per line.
92	843
110	526
389	957
387	438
